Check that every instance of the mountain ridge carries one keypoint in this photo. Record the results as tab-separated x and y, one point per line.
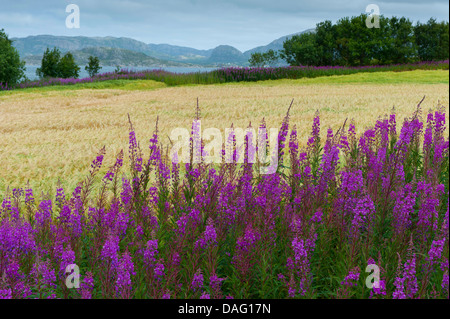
32	47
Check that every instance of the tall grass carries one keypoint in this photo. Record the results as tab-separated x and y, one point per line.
309	230
233	74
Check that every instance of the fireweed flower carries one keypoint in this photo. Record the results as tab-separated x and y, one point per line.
97	163
29	198
135	157
12	271
182	223
6	206
382	130
127	192
392	126
215	284
441	149
435	253
399	288
330	160
378	288
60	197
197	281
352	278
439	126
444	284
409	274
299	266
428	214
363	214
110	250
248	240
405	199
209	236
244	252
292	290
44	214
314	140
121	223
67	258
352	133
5	294
124	271
150	253
176	259
17	239
205	296
317	217
376	162
444	265
406	280
351	186
159	271
282	137
16	280
43	275
109	176
155	155
87	285
293	144
75	223
428	137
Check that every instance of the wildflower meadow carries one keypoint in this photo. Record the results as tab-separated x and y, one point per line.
164	229
231	74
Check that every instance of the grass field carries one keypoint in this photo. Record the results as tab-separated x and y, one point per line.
55	132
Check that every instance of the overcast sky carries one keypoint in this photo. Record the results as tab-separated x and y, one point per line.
202	24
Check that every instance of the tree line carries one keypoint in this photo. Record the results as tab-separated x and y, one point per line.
53	64
349	42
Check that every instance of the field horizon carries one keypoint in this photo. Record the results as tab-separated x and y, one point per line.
70	124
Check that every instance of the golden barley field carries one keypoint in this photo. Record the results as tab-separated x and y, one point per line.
50	134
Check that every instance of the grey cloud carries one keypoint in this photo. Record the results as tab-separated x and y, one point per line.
198	23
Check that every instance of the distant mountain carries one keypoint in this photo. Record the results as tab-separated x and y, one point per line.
112	57
36	45
130	52
121	57
225	54
274	45
167	51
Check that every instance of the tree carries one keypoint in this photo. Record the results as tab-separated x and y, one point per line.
398	42
54	66
12	69
67	67
358	43
350	42
93	66
49	64
432	40
270	57
326	42
301	50
256	60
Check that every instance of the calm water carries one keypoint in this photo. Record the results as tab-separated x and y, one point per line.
30	71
